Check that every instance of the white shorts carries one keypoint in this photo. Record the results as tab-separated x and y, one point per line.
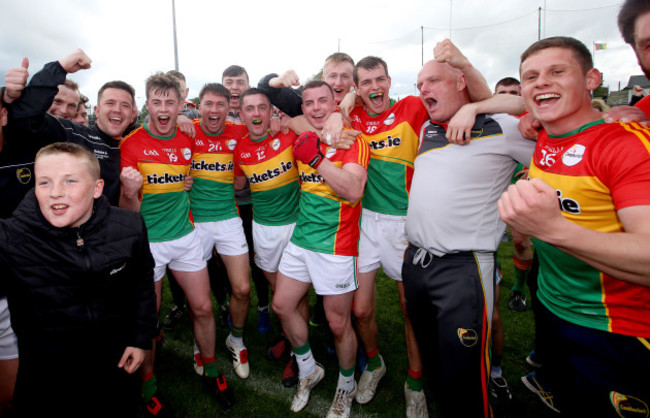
182	254
226	236
382	243
8	342
330	274
269	242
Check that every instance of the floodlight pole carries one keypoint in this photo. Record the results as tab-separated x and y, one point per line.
175	42
544	27
450	10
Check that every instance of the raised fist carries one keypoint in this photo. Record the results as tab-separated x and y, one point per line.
306	149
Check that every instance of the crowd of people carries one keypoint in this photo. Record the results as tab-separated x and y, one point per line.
320	187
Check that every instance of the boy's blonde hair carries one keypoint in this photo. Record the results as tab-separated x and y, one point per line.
73	149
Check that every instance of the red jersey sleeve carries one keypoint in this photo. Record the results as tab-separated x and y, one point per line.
127	156
237	160
359	153
627	166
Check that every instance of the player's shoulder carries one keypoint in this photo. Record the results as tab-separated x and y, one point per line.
132	137
243	144
181	136
290	136
409	101
621	134
361	142
624	128
235	129
408	104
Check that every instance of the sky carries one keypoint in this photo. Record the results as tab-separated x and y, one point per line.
131	39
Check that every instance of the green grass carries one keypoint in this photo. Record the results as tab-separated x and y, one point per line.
262	394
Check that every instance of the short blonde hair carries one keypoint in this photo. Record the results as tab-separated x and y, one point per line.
75	150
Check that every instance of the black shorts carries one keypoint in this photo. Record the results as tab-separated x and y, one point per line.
594	372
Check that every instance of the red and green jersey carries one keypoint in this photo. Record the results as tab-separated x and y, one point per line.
163	162
393	137
269	166
644	104
597	170
328	223
212	197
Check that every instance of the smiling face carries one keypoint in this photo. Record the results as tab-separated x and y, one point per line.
442	90
256	112
114	112
317	104
236	85
66	189
163	107
373	86
65	103
213	110
557	90
339	77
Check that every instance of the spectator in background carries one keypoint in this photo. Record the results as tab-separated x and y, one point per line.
66	101
637	95
82	111
508	85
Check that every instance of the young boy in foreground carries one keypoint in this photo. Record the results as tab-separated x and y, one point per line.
78	276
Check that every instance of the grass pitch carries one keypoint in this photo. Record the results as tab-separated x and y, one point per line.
262	394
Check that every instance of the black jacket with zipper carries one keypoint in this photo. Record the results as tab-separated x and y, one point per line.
77	287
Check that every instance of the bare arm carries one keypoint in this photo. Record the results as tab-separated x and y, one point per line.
531	207
240	182
186	126
626	114
529	126
460	125
280	124
348	181
333	132
477	87
188	182
347	104
299	124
